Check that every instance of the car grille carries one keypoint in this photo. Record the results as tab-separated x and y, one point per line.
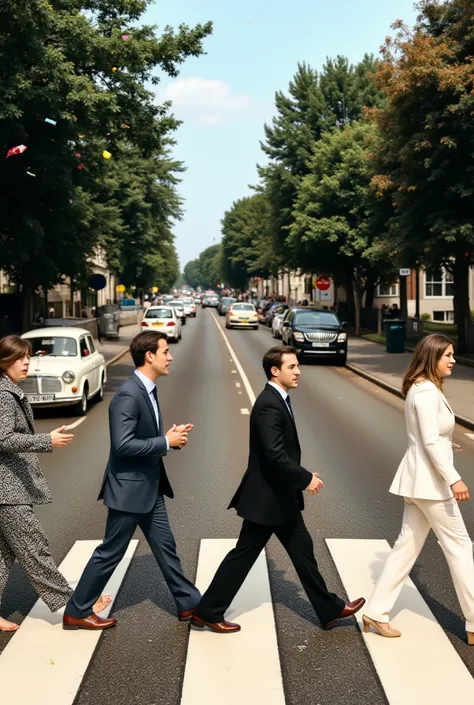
321	337
41	385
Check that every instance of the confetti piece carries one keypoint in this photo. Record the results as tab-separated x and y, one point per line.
74	117
81	137
106	154
16	150
71	201
125	37
78	155
114	68
50	122
125	126
81	166
51	661
30	173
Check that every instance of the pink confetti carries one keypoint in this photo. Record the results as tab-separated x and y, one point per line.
16	150
81	166
78	155
125	37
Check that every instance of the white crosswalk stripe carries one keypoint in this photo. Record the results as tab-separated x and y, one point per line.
44	665
421	667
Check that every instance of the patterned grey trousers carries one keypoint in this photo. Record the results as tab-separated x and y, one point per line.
22	537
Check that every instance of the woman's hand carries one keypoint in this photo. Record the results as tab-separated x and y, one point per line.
460	490
60	439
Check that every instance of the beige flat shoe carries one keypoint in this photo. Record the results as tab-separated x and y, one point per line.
470	638
381	627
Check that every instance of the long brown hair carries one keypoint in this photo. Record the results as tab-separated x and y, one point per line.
424	363
12	348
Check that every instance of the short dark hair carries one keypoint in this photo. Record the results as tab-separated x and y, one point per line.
274	358
12	348
146	341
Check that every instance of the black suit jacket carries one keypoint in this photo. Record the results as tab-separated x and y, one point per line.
135	472
271	490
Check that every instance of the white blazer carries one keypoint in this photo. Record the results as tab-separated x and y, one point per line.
427	469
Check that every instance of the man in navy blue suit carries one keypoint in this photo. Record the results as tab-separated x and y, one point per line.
134	486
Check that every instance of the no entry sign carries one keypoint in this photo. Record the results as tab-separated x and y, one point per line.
323	283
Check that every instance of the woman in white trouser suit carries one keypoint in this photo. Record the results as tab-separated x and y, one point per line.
431	487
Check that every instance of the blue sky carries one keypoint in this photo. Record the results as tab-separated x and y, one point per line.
225	97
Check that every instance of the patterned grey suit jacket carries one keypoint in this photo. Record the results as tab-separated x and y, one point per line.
21	479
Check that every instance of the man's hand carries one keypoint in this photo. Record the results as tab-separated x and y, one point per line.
316	485
185	427
60	439
176	438
460	491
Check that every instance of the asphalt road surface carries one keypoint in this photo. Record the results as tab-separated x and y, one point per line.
351	432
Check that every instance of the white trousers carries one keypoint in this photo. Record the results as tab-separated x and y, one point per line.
421	515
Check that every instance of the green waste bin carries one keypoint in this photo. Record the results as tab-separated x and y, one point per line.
395	335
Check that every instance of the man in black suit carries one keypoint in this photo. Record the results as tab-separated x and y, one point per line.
270	501
134	487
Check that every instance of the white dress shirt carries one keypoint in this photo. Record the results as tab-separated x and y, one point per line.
150	386
284	394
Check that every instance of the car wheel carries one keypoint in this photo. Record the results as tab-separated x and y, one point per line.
100	393
342	360
81	406
255	327
176	339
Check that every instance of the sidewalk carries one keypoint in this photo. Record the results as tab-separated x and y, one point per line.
370	360
113	349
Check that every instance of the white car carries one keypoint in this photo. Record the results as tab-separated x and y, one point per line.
164	318
178	307
189	307
277	324
242	315
65	368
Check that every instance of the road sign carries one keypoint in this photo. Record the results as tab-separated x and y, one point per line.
404	272
323	283
120	288
97	282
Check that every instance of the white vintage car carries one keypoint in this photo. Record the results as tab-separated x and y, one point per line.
65	368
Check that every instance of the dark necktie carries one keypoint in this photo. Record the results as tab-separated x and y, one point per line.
288	401
154	394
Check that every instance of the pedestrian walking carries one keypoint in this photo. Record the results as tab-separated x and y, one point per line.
431	487
22	485
270	501
134	487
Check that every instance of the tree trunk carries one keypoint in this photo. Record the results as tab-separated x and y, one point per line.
403	296
370	285
357	287
462	313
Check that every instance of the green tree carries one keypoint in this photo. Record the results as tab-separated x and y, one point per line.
192	273
68	61
428	139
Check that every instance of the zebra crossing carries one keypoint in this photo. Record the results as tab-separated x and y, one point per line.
422	666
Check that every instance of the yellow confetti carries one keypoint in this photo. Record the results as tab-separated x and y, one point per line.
106	154
114	68
51	661
81	137
74	117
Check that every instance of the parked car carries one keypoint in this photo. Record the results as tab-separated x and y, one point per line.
178	305
163	318
189	307
210	301
224	304
315	334
241	315
277	324
272	311
65	370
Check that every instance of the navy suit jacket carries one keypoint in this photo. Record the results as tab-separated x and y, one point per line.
135	471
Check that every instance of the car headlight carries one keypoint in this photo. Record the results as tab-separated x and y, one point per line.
299	337
69	377
342	337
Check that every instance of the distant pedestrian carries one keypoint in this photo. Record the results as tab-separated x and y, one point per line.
22	485
395	312
431	488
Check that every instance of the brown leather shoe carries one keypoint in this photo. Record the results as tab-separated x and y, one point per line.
218	627
349	609
92	622
186	615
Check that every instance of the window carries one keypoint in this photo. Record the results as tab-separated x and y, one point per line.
443	316
54	347
91	344
313	318
83	347
159	313
387	290
438	283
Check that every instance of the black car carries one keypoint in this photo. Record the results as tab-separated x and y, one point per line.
315	334
224	304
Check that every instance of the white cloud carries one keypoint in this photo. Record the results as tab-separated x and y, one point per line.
208	102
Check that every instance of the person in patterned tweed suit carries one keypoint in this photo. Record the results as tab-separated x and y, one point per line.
22	485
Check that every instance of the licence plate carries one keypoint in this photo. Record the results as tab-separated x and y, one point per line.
156	325
33	398
244	320
320	345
